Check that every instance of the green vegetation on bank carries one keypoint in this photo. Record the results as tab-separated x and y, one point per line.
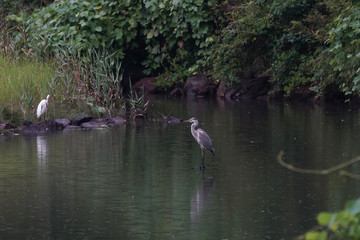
288	41
90	84
295	45
146	33
22	84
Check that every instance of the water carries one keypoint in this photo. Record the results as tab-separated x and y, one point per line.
137	181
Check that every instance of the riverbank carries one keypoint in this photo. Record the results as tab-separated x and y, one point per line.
260	88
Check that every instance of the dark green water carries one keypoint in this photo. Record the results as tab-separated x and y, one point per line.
137	182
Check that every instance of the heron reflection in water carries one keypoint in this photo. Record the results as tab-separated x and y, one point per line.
203	140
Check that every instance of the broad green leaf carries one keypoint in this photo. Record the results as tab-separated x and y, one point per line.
152	33
82	23
353	207
356	81
118	34
316	236
100	109
84	14
324	218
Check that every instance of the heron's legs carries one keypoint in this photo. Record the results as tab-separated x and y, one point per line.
202	167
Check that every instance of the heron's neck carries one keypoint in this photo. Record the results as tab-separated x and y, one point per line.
193	131
193	127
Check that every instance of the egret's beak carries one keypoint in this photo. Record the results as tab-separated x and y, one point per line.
186	121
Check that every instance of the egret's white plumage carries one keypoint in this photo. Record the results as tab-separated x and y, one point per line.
202	138
42	107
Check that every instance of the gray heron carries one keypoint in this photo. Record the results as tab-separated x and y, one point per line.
203	140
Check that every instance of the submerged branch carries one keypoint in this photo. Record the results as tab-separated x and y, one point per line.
349	174
322	171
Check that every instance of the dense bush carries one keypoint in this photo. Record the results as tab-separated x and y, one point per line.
306	44
344	49
284	40
150	33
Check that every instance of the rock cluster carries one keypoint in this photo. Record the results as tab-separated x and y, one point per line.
81	122
199	86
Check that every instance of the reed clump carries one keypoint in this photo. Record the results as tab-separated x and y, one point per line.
22	83
87	83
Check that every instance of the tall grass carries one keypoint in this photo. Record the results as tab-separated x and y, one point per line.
23	83
91	83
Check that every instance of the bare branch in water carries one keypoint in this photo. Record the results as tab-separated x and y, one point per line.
322	171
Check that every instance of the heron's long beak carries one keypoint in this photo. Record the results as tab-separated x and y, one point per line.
186	121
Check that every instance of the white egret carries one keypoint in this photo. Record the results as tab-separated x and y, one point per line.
202	138
42	107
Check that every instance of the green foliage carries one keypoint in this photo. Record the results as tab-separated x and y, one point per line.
153	31
243	39
344	224
168	26
345	49
92	83
10	115
85	24
176	73
281	39
103	74
23	82
136	103
303	44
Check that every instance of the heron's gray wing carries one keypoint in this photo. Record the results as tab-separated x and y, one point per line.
205	140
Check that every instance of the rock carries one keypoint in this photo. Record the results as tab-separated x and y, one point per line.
138	114
115	121
10	134
176	92
81	119
63	121
6	126
229	94
256	87
103	123
171	119
198	86
82	122
302	94
148	84
27	123
72	127
168	119
95	123
42	127
221	89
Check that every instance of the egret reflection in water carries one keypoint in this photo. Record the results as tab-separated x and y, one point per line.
42	150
